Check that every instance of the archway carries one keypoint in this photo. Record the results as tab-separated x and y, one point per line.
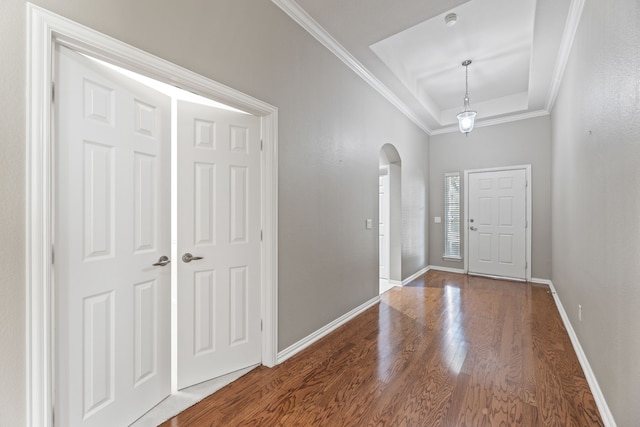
390	218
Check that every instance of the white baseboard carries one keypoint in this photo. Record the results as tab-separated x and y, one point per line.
415	276
297	347
542	282
395	282
447	269
605	412
385	285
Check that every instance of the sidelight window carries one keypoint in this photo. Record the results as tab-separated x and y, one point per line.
452	215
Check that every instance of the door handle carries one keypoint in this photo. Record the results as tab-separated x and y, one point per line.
188	257
162	261
472	228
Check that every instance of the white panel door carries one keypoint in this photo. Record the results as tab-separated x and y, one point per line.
383	228
112	317
497	223
219	225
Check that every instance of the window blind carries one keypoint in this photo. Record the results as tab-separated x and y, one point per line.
452	215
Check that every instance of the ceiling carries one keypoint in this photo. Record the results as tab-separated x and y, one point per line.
404	49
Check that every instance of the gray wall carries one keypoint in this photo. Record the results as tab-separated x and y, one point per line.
596	205
509	144
331	128
12	224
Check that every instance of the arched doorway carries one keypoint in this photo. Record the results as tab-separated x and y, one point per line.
390	218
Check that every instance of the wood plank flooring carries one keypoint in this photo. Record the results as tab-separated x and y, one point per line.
446	350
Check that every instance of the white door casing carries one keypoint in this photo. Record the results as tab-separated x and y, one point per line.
46	31
112	224
496	218
219	222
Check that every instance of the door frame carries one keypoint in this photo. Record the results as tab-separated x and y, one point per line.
44	30
465	224
385	170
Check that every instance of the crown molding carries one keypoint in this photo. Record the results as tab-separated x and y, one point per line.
302	18
496	121
570	29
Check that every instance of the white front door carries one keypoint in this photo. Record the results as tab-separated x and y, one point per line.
497	221
112	223
383	228
219	206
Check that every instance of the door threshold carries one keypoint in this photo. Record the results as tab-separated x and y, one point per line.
175	403
490	276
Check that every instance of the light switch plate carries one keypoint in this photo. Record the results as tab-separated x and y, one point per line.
369	224
437	220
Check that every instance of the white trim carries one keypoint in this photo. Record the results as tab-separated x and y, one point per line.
570	29
302	18
415	275
385	285
496	121
44	29
598	396
305	342
447	269
527	169
541	281
395	282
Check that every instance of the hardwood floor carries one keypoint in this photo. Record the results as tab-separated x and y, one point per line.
446	350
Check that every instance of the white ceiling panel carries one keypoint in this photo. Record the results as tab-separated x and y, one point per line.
516	46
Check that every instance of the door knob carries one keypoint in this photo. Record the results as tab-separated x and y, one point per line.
472	228
162	261
188	257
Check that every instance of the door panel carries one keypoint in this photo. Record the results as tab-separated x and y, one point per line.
219	221
497	223
112	340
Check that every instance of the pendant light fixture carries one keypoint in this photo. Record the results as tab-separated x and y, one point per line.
468	116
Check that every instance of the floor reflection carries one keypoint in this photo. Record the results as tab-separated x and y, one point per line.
455	343
384	342
416	311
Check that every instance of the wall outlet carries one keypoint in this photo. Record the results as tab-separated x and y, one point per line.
368	224
437	220
579	312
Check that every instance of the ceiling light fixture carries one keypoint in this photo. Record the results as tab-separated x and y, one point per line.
451	19
468	116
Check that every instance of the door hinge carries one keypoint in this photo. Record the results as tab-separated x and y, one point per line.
260	325
261	145
53	92
261	235
53	255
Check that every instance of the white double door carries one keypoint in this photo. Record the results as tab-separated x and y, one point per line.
112	238
497	223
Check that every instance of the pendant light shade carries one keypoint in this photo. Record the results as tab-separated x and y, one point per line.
467	118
